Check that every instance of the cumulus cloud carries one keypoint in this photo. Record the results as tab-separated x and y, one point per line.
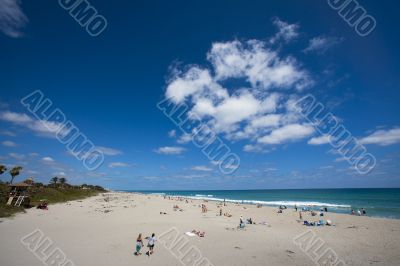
287	133
47	160
286	32
319	140
382	137
185	138
260	109
321	44
255	62
12	18
9	143
170	150
253	148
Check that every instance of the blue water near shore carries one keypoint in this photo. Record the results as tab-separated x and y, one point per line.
378	202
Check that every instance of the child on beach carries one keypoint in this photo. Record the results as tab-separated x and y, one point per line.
152	240
139	245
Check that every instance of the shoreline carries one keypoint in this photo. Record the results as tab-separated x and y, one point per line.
249	203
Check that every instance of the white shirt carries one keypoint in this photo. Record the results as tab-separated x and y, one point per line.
152	240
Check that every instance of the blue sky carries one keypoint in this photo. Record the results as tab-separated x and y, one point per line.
214	58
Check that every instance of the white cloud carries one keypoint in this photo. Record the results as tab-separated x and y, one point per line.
257	110
41	127
172	133
253	148
321	44
9	143
8	133
319	140
287	133
117	164
326	167
170	150
12	18
47	160
62	174
286	31
201	168
252	60
108	151
383	137
16	156
185	138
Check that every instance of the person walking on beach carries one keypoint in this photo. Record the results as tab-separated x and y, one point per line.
152	240
139	245
295	207
300	216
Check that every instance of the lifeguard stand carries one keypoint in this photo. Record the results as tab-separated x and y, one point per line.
18	193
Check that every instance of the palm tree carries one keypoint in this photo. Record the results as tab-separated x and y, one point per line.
2	169
54	181
14	172
62	181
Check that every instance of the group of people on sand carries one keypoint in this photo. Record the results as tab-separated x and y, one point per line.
151	240
177	208
243	223
204	208
359	213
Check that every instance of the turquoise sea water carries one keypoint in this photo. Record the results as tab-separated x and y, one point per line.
378	202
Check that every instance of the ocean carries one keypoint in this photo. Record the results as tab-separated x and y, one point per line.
378	202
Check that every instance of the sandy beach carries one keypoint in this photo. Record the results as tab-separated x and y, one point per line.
102	230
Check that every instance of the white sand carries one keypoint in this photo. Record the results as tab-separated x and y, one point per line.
89	236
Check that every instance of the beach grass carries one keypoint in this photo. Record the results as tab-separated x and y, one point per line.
48	194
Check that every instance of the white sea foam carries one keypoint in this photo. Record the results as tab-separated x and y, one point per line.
273	203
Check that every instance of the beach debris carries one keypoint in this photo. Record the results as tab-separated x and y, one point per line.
289	251
352	227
